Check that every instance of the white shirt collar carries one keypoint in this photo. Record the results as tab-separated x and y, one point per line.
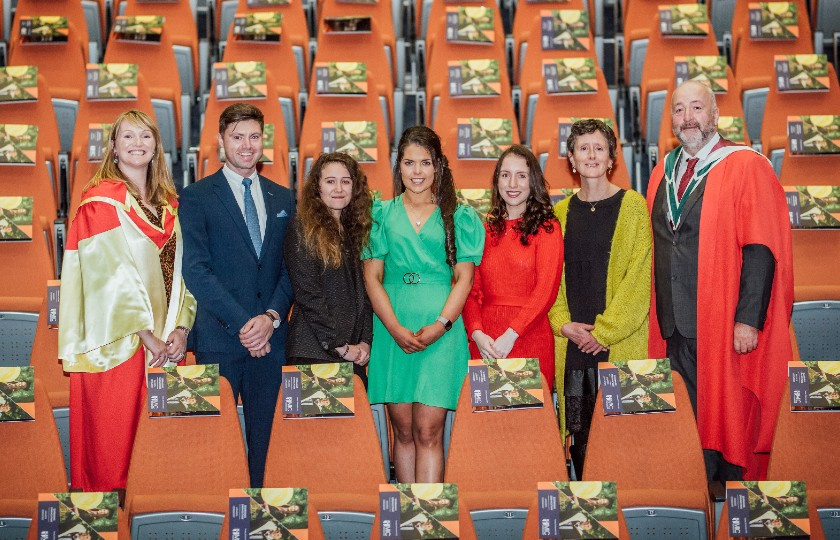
704	152
235	177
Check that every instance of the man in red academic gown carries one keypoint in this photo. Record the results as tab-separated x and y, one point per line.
723	284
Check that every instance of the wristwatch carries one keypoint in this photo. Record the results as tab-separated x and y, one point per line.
447	324
275	322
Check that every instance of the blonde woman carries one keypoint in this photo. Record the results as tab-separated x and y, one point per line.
123	302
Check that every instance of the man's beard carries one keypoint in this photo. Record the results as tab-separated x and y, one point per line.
695	140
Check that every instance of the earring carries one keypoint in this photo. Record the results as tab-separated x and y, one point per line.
116	159
574	170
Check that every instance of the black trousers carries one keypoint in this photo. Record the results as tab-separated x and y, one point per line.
682	352
257	381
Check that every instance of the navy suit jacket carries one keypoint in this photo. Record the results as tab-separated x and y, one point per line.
230	281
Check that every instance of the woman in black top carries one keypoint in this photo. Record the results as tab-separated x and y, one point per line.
332	318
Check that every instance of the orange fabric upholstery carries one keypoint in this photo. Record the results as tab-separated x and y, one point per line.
481	446
637	17
658	70
27	265
35	463
535	54
62	63
816	264
670	445
346	450
800	439
31	8
523	24
469	173
780	105
181	464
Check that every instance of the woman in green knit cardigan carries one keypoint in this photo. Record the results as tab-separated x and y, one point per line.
601	311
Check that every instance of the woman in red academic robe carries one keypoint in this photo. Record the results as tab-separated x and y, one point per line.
506	314
123	302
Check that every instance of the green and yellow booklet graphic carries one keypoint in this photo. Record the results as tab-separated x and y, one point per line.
15	219
732	128
469	24
184	390
318	390
505	383
686	20
478	199
341	78
111	81
269	513
409	511
577	510
570	75
139	28
98	135
801	72
18	144
814	385
484	138
774	20
17	394
479	77
769	509
259	26
78	515
18	83
235	80
44	29
356	139
709	70
636	386
347	24
813	207
565	30
815	134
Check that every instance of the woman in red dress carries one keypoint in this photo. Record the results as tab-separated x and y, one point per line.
506	314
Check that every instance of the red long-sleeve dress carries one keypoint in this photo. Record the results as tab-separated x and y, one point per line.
514	287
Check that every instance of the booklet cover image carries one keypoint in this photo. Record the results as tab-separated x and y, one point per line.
814	385
414	511
506	383
770	509
184	390
261	513
577	510
15	219
78	516
17	394
636	386
318	390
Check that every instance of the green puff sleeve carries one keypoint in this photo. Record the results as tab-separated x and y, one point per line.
377	246
469	235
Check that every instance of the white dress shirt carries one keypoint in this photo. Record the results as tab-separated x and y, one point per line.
701	156
235	182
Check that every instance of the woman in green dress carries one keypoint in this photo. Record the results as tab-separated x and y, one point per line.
418	269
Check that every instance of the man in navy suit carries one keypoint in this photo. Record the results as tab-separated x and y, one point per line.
234	224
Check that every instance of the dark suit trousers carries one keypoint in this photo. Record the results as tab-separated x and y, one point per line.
257	381
682	352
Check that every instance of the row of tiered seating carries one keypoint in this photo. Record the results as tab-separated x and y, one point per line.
496	459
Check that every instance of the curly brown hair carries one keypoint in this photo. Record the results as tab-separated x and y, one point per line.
443	186
321	233
593	125
538	212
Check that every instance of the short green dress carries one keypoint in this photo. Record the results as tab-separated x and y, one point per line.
418	281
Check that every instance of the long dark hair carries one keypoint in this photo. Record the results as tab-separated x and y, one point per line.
443	186
321	234
538	212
